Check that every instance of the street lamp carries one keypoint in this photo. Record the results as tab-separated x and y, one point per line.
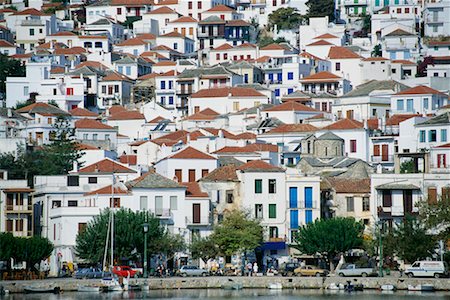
380	228
145	226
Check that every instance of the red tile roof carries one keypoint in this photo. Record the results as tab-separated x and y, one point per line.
132	2
403	62
249	148
372	123
224	46
173	34
29	11
82	112
206	114
132	42
375	59
309	55
86	147
127	115
259	166
64	33
220	8
6	44
291	106
343	186
395	120
106	166
156	120
337	52
116	76
93	64
225	173
320	43
226	91
71	51
165	63
184	19
162	10
193	190
57	70
91	124
176	136
216	132
274	46
420	90
326	36
245	136
191	153
237	23
344	124
148	76
287	128
107	190
116	109
322	76
128	159
443	146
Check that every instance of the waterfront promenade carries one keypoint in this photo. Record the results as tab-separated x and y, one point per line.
70	284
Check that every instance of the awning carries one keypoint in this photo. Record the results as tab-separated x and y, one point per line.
397	186
274	246
18	190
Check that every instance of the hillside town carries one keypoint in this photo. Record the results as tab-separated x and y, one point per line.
190	110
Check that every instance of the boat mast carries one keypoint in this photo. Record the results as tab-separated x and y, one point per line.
112	222
106	243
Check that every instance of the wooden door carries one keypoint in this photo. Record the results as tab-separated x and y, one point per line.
432	195
191	175
179	175
407	202
384	152
376	150
196	213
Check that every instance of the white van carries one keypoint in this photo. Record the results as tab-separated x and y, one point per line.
426	268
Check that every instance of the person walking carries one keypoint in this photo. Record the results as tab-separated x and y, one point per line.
255	268
249	269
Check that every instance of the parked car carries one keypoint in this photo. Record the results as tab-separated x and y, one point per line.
89	273
124	271
289	268
310	271
192	271
353	270
434	269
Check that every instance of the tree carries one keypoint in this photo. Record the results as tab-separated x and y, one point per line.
436	216
407	166
204	248
9	68
19	104
329	237
285	18
411	240
423	66
266	40
376	52
237	233
321	8
128	236
7	247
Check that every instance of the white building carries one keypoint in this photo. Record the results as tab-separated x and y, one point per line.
436	18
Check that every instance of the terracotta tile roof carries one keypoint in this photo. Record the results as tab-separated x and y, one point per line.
191	153
324	76
25	55
420	90
226	91
71	51
116	109
443	146
64	33
395	120
206	114
372	123
146	36
116	76
29	11
225	173
91	124
6	44
107	190
162	47
127	115
173	34
86	147
106	166
237	23
48	45
7	10
137	143
326	36
132	2
224	46
399	32
42	109
259	166
93	64
151	180
263	59
57	70
176	136
273	46
291	106
337	52
439	43
162	10
92	37
320	43
402	61
165	63
82	112
148	76
194	191
184	19
344	124
246	45
156	120
287	128
153	54
343	186
245	136
128	159
220	8
309	55
375	59
132	42
258	147
216	132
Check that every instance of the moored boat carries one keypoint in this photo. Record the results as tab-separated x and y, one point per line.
232	286
388	287
42	290
275	286
421	287
88	288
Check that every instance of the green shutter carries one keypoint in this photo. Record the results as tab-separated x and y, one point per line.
272	211
258	186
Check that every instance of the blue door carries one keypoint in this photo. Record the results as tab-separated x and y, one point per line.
294	219
293	198
308	216
308	197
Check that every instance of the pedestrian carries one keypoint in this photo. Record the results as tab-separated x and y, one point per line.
249	269
255	268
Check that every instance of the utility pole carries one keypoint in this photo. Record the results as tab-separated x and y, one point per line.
145	225
380	224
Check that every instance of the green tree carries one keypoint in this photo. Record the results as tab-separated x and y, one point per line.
9	68
367	23
7	248
128	235
285	18
411	240
329	237
204	248
237	233
407	166
436	216
267	40
19	104
376	52
321	8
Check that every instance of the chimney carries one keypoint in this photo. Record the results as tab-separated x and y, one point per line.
75	166
220	134
9	113
188	138
366	126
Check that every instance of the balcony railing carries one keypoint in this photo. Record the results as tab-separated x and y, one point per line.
203	221
382	158
163	213
19	208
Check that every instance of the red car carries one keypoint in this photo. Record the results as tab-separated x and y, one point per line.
124	271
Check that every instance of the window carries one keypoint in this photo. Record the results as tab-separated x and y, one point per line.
69	91
114	203
400	104
387	198
73	181
350	204
290	75
272	211
236	105
19	225
175	46
443	135
92	180
273	232
143	203
72	203
258	186
225	56
308	216
410	105
230	197
163	85
293	197
104	89
277	92
119	10
173	203
170	100
31	31
116	88
190	5
425	103
352	146
338	66
25	91
94	136
204	172
120	69
308	197
128	70
422	136
280	77
56	203
199	4
99	45
366	204
49	121
272	186
258	211
432	136
217	56
290	91
87	44
107	137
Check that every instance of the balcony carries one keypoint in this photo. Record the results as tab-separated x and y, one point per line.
184	91
203	221
382	159
32	22
74	211
355	2
19	208
164	214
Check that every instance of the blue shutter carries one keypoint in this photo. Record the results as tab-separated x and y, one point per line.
293	198
308	197
308	216
294	219
280	76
